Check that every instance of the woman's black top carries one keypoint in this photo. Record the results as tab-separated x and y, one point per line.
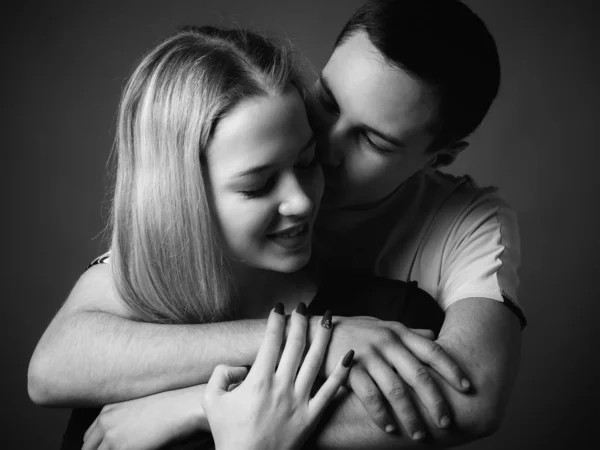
345	294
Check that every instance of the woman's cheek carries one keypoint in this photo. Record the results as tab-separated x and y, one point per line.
256	216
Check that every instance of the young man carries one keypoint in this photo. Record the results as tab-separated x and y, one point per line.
407	82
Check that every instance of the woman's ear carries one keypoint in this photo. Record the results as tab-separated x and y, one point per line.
448	155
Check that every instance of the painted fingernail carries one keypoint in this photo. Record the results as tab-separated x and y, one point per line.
279	309
390	428
326	321
301	309
418	435
445	421
348	359
465	383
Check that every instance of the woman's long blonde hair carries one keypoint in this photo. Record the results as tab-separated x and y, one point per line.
166	246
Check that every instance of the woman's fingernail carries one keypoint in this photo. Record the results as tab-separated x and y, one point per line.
279	309
348	359
465	383
418	435
301	309
326	321
390	428
445	421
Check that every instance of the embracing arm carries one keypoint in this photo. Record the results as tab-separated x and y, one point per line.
483	336
92	353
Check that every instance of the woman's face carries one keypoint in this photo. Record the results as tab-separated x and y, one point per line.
266	183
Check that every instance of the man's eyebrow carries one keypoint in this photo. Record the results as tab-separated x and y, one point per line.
264	167
326	88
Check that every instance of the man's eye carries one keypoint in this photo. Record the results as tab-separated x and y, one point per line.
328	105
378	148
261	191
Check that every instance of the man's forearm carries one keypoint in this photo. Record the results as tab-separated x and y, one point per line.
348	426
484	338
94	358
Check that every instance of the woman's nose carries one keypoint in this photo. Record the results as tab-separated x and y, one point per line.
295	201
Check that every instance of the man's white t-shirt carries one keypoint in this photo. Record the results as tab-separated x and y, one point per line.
455	239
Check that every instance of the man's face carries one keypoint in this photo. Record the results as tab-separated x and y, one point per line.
373	124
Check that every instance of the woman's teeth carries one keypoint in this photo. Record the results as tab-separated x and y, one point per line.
293	233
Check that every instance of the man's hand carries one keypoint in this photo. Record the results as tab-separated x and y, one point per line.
484	337
390	361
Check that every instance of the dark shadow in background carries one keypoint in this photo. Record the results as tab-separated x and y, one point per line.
63	66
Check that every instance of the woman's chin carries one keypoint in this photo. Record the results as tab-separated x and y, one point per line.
290	263
295	264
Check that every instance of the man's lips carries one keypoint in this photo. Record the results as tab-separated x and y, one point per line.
331	179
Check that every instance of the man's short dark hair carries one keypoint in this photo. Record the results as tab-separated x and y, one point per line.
443	43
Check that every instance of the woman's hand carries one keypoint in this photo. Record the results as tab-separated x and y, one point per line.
272	408
147	423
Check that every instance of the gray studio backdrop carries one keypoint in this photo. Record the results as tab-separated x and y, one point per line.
64	63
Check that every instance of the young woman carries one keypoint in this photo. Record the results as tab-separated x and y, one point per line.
216	194
217	185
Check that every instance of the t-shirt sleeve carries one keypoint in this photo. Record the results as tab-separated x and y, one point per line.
482	254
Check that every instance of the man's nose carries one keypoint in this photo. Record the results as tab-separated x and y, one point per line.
329	147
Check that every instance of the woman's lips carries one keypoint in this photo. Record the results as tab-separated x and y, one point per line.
293	239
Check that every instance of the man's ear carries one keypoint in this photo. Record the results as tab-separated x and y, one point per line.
447	155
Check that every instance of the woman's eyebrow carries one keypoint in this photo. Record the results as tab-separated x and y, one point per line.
264	167
254	170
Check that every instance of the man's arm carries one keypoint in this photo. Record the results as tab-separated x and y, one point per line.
93	353
484	337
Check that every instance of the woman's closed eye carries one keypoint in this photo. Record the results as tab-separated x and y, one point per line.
260	190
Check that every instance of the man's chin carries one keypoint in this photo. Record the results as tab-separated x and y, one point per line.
332	200
335	201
